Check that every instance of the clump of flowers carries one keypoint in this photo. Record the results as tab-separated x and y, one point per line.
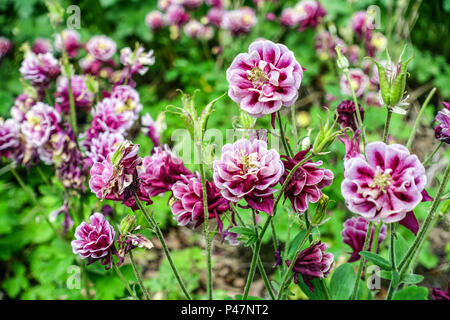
306	183
313	263
248	170
354	234
386	186
442	129
264	79
95	241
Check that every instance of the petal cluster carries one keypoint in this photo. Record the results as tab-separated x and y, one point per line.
442	129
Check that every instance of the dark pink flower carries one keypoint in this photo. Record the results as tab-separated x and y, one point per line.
358	23
359	81
176	15
239	21
247	170
442	130
187	206
215	16
310	13
95	241
160	171
346	114
40	69
289	18
42	45
439	294
351	146
71	42
385	187
101	146
83	98
325	44
354	234
306	183
5	46
264	79
313	263
155	20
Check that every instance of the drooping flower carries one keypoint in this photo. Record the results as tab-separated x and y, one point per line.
101	47
264	79
5	46
129	238
359	81
346	114
68	221
41	121
155	20
153	129
160	171
9	138
354	234
325	44
239	21
40	69
22	104
71	39
306	183
442	129
351	146
386	187
439	294
95	241
359	23
82	97
136	61
313	263
187	206
248	170
42	45
310	13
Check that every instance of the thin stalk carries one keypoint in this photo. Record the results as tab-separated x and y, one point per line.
376	237
151	221
124	281
361	262
431	155
391	291
43	176
358	114
419	116
138	276
274	235
291	266
286	145
294	127
85	280
387	124
324	288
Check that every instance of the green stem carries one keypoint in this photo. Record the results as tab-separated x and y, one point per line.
294	127
324	288
430	156
85	279
358	114
376	236
274	235
387	124
124	281
361	262
151	221
138	276
286	145
291	266
419	116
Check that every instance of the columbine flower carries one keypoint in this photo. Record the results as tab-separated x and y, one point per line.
41	121
95	241
22	104
187	206
351	146
153	129
289	17
129	239
247	170
42	45
68	221
71	39
101	146
5	46
346	114
40	69
325	44
354	234
215	16
310	13
101	47
9	138
82	97
442	130
155	20
136	61
306	183
439	294
130	98
359	81
160	171
264	79
239	21
387	186
192	4
359	23
312	263
194	29
176	15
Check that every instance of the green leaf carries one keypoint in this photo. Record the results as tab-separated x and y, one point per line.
376	259
342	282
317	294
15	284
293	245
412	278
401	247
412	293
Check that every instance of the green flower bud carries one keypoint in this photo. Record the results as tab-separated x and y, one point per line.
342	61
325	137
128	224
319	217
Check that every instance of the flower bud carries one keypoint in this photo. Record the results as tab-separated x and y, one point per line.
319	217
325	137
128	224
342	61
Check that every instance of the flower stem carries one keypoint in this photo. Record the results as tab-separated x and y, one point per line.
286	145
393	283
124	281
152	222
85	279
421	235
387	124
361	262
419	116
291	266
139	277
358	114
430	156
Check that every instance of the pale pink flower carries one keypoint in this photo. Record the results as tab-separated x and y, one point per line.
101	47
359	81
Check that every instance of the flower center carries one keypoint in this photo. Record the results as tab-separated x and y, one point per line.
381	180
249	162
257	77
129	105
34	121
